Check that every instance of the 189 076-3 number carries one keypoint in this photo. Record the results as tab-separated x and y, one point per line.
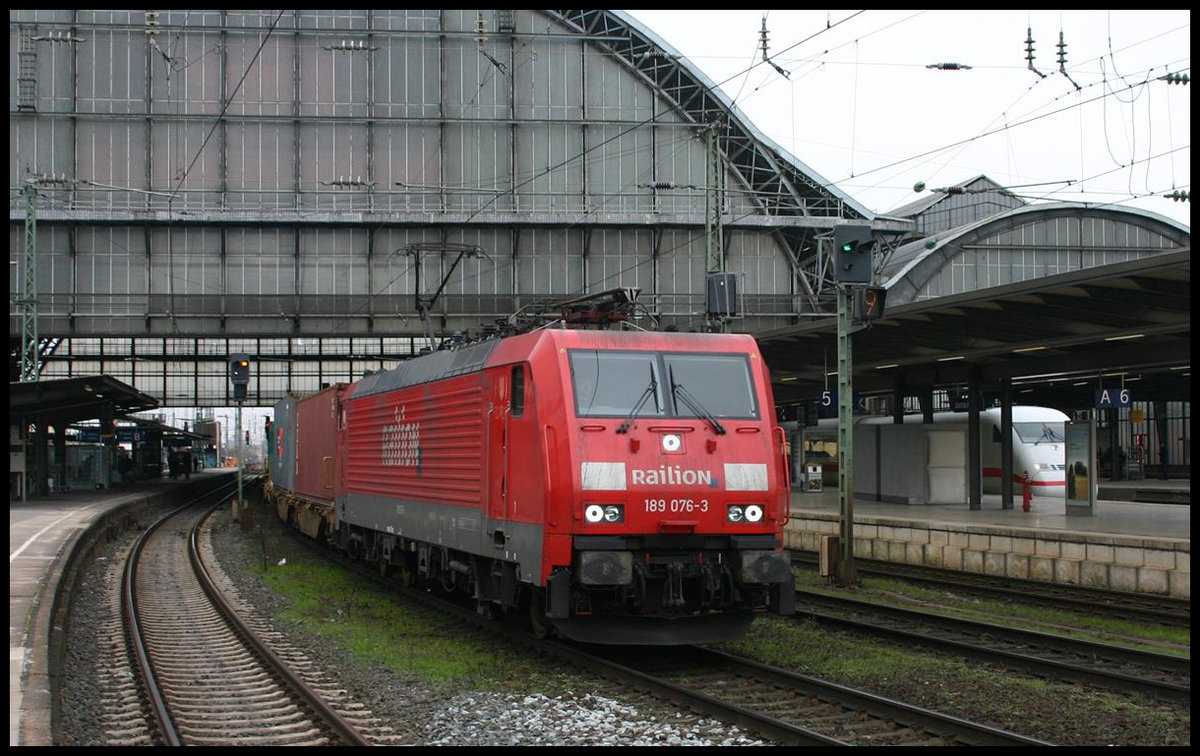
676	506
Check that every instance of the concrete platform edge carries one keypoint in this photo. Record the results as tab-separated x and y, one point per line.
47	628
1135	564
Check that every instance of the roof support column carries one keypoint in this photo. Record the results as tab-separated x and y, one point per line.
974	479
1006	451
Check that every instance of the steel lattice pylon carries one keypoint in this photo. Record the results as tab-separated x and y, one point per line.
28	300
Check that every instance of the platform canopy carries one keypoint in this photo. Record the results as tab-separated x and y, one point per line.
69	400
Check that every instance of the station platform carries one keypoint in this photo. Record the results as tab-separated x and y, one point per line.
46	536
1124	544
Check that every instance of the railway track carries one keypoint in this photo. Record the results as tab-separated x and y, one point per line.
786	706
1131	606
208	678
778	704
1164	676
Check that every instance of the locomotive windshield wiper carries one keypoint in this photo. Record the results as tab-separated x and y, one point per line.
651	389
1048	434
693	404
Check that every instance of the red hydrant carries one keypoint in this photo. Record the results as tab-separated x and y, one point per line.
1026	492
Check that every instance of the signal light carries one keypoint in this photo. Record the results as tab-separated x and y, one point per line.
239	374
853	254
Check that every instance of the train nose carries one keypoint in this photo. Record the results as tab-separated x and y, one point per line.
1045	474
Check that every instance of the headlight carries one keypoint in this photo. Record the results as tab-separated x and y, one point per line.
745	513
604	513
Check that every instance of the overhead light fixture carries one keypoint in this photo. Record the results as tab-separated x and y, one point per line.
788	378
1122	338
1181	367
951	359
1029	349
1080	383
885	367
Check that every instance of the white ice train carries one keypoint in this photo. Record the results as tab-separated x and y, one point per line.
1039	443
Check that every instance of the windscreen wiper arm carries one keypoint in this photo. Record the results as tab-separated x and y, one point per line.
693	404
651	389
1047	434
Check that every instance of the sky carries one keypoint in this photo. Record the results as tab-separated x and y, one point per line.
860	107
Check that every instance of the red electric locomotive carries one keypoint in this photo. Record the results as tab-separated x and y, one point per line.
624	487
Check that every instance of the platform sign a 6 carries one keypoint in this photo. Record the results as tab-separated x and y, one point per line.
1112	398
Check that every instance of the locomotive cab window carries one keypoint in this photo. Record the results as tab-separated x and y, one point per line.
611	384
518	390
719	384
652	384
1040	433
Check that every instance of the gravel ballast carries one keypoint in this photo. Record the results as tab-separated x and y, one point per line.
580	710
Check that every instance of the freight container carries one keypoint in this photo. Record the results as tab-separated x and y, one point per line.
283	444
317	418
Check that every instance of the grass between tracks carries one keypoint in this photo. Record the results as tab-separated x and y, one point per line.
1057	712
1052	711
380	627
1157	638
